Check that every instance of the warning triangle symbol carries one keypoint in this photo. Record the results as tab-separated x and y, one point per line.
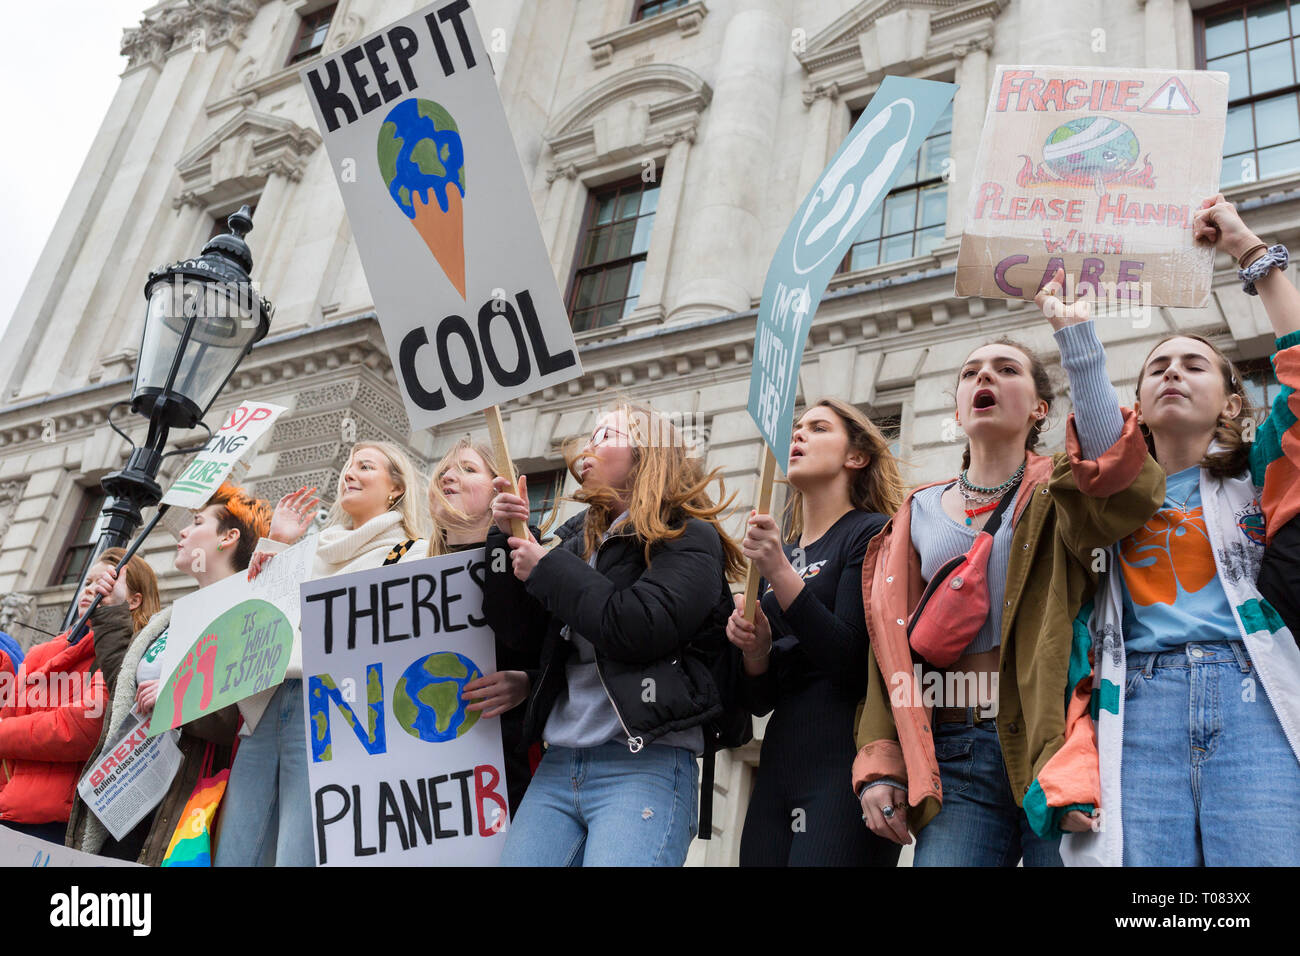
1172	99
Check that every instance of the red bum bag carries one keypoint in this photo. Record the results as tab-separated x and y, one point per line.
955	603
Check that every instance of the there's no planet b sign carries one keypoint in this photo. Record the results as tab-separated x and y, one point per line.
443	220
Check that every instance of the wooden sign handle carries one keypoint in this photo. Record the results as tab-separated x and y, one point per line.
498	432
765	481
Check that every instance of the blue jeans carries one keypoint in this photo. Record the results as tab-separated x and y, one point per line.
980	824
1208	777
607	806
266	811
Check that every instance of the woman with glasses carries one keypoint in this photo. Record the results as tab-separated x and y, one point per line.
628	614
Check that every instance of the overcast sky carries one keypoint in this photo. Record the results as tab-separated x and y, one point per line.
58	75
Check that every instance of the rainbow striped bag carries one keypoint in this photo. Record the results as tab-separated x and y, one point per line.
191	844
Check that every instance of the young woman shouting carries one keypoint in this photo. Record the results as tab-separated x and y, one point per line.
983	775
805	655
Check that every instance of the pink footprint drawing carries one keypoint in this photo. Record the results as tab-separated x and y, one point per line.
201	658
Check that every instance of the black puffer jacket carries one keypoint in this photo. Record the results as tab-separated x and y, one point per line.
666	623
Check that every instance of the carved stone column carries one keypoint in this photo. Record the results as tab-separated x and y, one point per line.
968	108
1159	36
820	102
650	308
721	273
556	214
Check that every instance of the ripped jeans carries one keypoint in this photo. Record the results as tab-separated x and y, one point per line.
607	806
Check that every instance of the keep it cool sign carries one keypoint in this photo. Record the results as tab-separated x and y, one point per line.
401	773
443	220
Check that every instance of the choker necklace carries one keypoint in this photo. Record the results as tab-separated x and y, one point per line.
987	498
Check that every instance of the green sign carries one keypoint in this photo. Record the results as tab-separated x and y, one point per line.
243	651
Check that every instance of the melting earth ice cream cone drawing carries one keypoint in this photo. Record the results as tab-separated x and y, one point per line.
422	161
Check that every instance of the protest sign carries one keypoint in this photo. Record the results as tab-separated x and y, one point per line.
400	772
19	849
231	639
878	148
131	776
1098	172
442	216
212	464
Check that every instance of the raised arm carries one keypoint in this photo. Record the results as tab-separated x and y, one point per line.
1097	413
1218	223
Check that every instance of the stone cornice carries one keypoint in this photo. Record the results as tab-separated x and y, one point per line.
572	135
263	145
837	47
683	20
197	24
281	358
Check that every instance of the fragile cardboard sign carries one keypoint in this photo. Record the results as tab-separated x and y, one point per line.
1098	172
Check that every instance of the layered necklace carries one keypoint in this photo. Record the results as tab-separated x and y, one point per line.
979	499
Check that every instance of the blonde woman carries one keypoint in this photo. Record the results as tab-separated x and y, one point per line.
375	520
460	505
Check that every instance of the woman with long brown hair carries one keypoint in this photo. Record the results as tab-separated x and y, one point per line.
805	654
628	614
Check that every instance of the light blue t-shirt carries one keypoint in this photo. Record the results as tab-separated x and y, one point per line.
1172	592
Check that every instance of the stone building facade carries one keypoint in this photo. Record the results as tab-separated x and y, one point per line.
727	108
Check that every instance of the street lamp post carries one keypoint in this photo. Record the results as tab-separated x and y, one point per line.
203	317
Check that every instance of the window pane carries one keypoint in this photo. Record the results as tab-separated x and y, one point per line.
591	247
933	153
908	175
1277	120
1266	22
1239	135
649	200
638	273
1279	160
627	204
582	320
1225	34
615	284
620	244
641	240
1235	67
588	286
871	225
609	314
898	247
900	212
1270	68
605	211
944	125
864	255
1237	169
934	205
927	239
629	306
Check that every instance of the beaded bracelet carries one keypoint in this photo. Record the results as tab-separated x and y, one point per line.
1276	257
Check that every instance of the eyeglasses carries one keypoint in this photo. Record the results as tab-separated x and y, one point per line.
603	433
